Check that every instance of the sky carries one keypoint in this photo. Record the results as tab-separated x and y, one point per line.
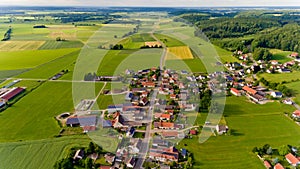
158	3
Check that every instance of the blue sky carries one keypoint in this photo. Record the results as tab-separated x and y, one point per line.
187	3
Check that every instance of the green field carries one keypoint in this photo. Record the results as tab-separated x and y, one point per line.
295	86
169	41
49	69
280	56
252	125
136	41
225	55
38	154
29	59
280	77
52	44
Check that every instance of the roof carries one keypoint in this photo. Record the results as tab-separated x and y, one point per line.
235	90
292	159
183	152
296	112
89	128
167	116
193	132
267	164
278	166
104	167
12	93
249	90
106	123
82	120
2	104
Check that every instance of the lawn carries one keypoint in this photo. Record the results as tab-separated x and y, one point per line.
32	117
280	56
252	125
280	77
40	154
29	59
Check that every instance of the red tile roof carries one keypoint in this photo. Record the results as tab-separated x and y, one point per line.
193	132
167	116
292	159
89	128
235	90
11	94
294	54
249	90
296	113
267	164
278	166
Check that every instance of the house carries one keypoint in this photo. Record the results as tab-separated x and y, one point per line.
130	132
164	154
235	92
276	94
114	108
144	101
257	97
278	166
294	161
193	132
129	96
164	125
267	165
274	62
249	90
183	152
105	167
165	117
109	158
296	114
148	84
221	129
130	163
79	154
190	107
288	101
294	54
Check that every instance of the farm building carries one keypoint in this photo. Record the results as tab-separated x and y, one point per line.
11	94
276	94
221	129
235	92
82	121
249	90
267	165
296	114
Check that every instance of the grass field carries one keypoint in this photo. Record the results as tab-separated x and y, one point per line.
280	77
252	125
192	65
29	59
295	86
20	45
41	154
35	113
49	69
136	41
225	55
9	73
53	44
179	52
280	55
169	41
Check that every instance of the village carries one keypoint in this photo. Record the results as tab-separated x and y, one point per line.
156	104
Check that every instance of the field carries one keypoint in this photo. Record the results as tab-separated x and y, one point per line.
192	65
252	125
38	154
225	55
52	44
280	77
136	41
49	69
280	56
20	45
169	41
29	59
179	52
35	113
295	86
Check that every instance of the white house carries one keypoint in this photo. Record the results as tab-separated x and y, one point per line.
276	94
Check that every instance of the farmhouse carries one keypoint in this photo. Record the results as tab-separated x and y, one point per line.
249	90
292	159
221	129
235	92
276	94
267	165
164	154
296	114
278	166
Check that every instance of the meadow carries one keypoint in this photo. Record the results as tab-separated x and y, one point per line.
20	45
39	153
280	56
53	44
280	77
295	86
168	40
29	59
252	125
136	41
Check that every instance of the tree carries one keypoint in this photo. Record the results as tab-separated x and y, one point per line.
262	54
284	150
91	148
88	163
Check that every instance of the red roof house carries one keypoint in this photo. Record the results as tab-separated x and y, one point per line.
235	92
249	90
292	159
294	54
12	93
278	166
193	132
296	114
267	164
